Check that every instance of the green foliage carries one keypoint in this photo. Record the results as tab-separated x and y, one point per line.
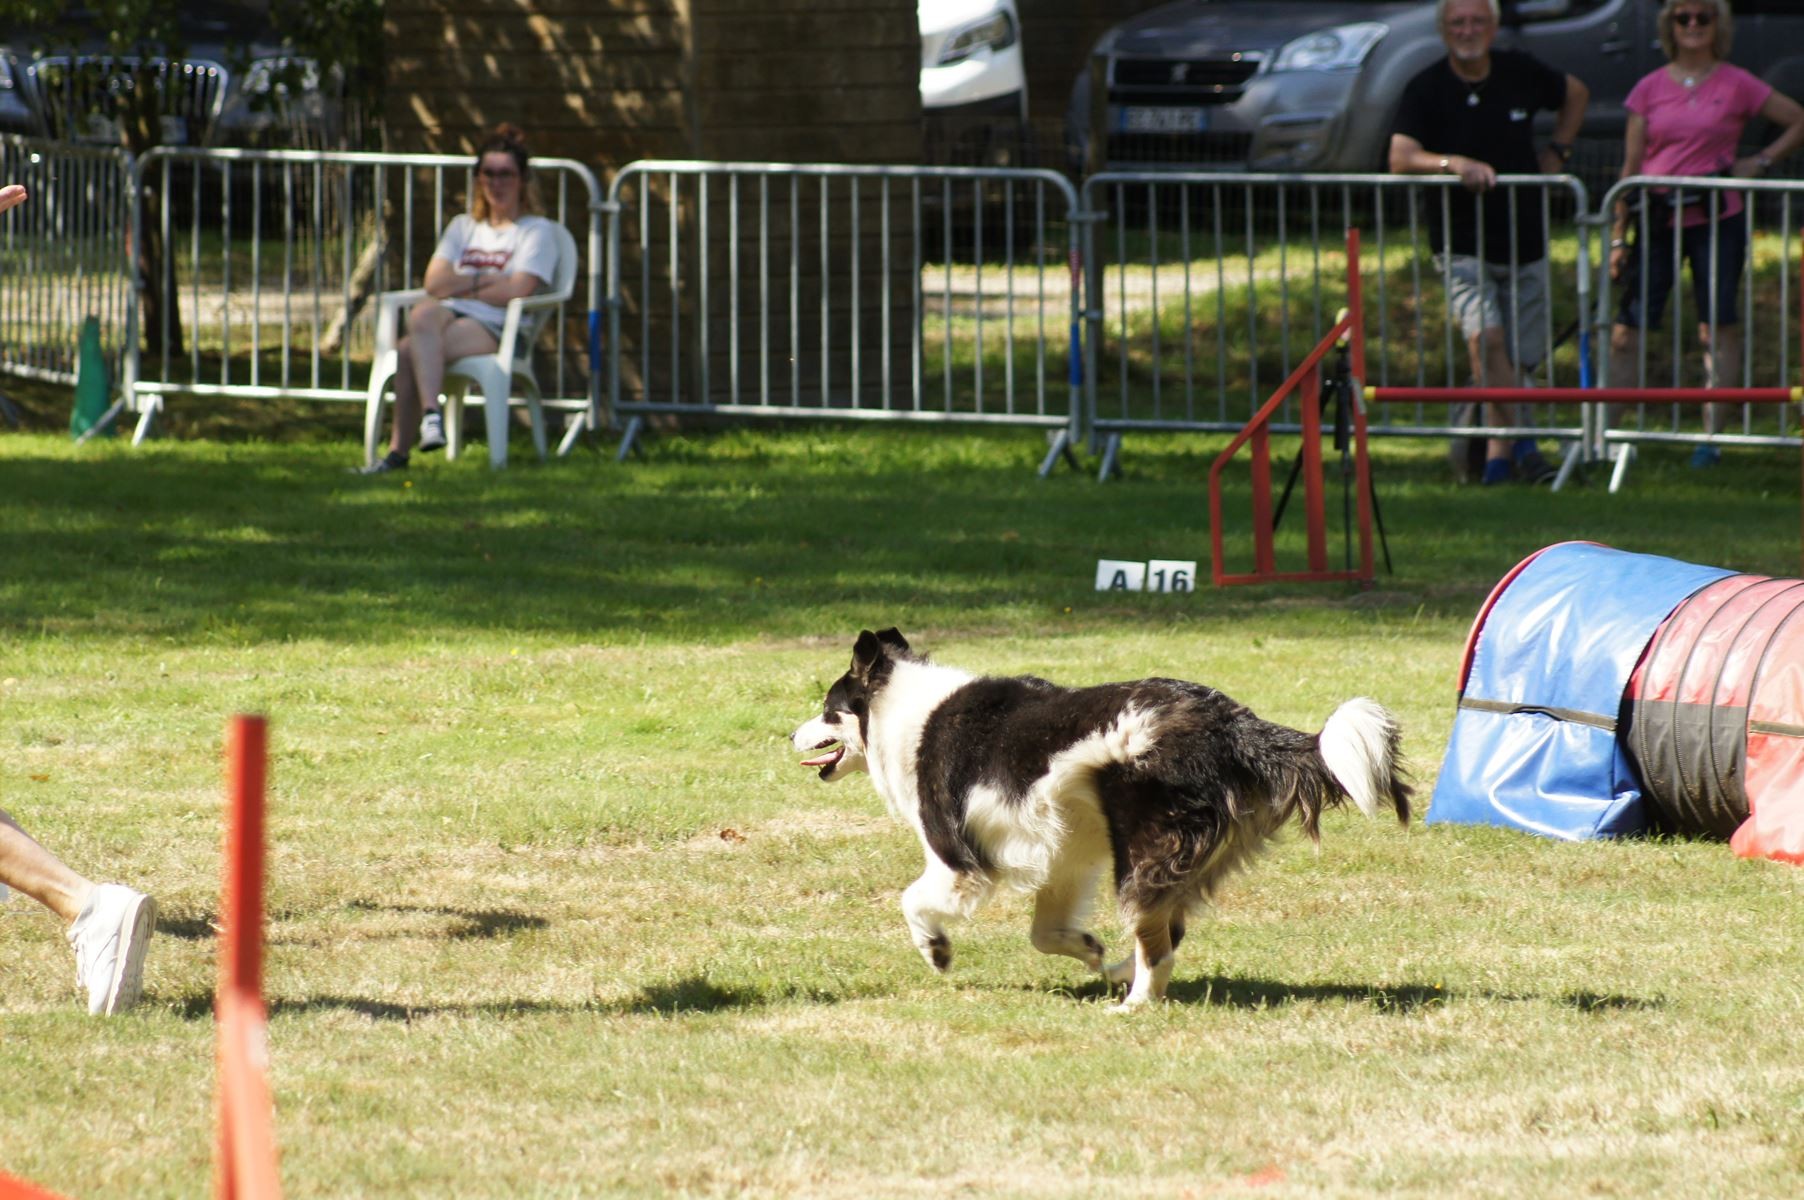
342	33
127	26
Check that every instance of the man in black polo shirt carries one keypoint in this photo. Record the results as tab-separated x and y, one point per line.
1472	115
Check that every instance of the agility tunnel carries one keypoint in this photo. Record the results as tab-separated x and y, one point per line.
1604	693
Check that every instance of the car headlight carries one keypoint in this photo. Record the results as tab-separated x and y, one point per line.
1330	49
991	33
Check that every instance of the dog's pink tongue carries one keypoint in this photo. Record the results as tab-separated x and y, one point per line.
832	756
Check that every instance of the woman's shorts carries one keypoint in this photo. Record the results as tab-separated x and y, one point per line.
482	319
1731	251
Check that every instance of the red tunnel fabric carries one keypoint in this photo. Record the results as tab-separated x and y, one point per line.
1714	717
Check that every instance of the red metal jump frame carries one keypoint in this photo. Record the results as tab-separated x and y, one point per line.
1307	376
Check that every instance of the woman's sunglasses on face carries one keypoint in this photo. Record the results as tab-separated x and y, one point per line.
1701	19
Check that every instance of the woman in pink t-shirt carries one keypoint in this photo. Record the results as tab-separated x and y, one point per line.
1687	118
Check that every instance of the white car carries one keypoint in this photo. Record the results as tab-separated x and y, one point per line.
971	59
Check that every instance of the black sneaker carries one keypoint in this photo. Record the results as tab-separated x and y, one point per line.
432	432
388	462
1533	468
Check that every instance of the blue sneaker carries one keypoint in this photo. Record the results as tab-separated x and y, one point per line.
1705	456
1498	470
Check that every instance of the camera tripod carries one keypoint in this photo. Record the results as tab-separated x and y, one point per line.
1337	402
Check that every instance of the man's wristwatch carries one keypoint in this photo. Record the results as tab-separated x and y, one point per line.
1563	149
1446	164
1765	162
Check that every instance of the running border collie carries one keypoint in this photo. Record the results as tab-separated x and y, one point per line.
1017	782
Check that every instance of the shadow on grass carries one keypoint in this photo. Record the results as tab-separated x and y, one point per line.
699	994
690	994
1225	992
728	535
466	924
469	923
188	929
195	1006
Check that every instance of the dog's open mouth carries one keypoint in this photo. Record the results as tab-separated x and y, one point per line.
836	750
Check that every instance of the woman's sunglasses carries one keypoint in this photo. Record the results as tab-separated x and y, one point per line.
486	173
1700	19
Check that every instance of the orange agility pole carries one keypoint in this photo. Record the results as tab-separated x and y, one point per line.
17	1189
245	1166
1306	383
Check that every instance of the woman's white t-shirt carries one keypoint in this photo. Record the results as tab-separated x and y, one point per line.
475	248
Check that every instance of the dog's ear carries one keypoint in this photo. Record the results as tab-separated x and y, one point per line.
865	652
892	637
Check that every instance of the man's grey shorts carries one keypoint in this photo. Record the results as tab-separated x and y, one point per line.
1484	296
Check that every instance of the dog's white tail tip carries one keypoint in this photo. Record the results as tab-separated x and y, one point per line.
1359	745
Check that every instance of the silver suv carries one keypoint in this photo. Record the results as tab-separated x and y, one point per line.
1313	85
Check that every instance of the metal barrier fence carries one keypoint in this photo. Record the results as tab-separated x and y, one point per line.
1732	319
261	267
1149	301
63	257
1205	290
942	294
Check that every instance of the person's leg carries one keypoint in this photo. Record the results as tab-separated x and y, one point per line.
1522	298
1625	366
426	325
1472	305
407	400
1722	361
109	925
1643	305
443	338
1491	367
1722	367
33	870
1717	253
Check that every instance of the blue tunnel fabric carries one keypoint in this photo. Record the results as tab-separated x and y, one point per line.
1534	743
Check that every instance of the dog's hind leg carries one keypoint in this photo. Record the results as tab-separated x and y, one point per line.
1059	911
1122	972
930	901
1155	951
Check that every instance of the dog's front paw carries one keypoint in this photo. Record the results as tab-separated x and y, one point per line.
937	950
1133	1004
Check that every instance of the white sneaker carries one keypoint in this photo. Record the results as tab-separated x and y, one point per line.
432	431
110	937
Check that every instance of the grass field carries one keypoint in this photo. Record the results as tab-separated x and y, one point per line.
554	913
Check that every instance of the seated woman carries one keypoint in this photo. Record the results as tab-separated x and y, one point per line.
494	253
1687	118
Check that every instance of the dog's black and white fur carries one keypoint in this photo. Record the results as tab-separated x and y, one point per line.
1018	782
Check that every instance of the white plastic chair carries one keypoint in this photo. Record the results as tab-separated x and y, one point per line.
496	376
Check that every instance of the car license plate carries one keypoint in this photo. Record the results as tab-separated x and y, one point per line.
1136	119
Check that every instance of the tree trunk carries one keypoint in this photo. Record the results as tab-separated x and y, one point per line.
363	283
141	122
